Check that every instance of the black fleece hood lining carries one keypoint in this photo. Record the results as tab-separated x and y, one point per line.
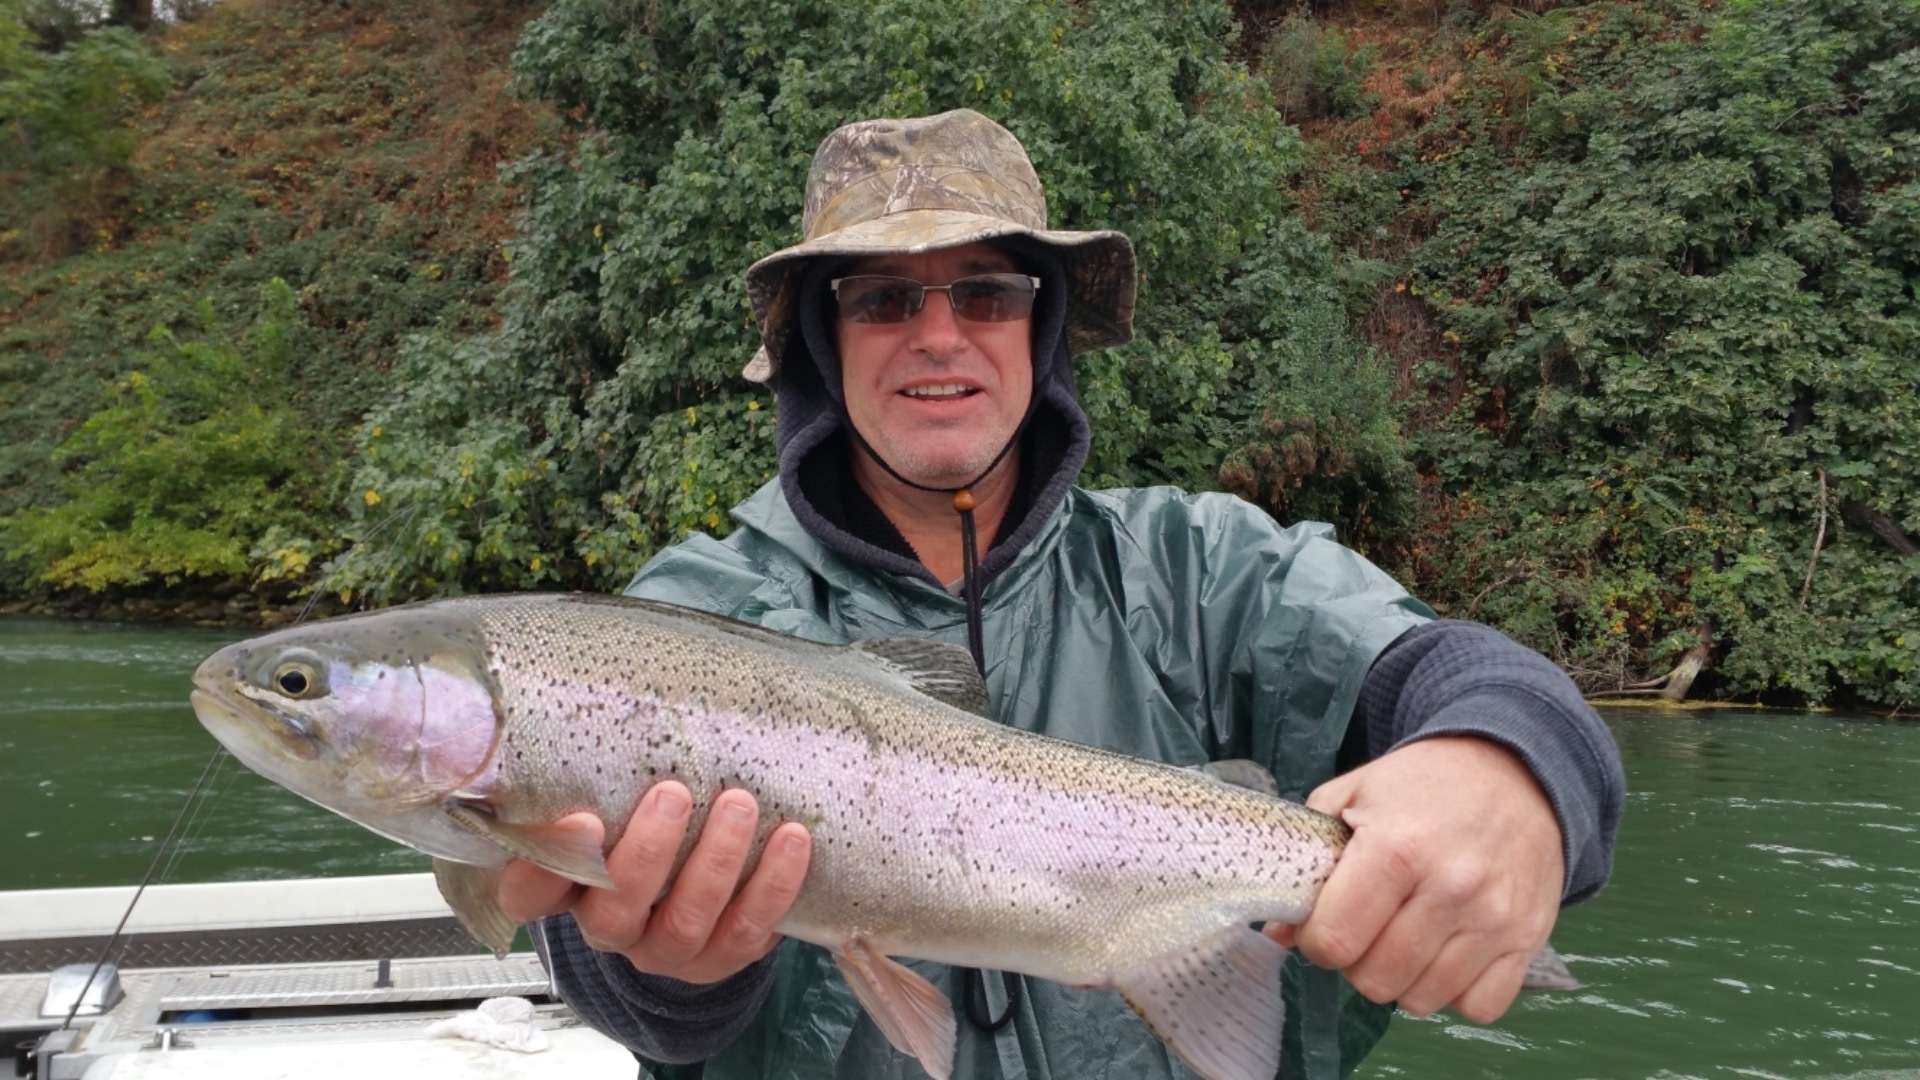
815	447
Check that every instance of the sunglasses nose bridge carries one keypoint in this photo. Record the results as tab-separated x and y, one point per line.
946	292
930	322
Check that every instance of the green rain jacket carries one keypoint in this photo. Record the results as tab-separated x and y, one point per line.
1184	628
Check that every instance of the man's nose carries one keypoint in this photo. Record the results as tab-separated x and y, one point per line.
936	329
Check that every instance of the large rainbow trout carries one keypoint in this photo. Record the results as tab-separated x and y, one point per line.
466	727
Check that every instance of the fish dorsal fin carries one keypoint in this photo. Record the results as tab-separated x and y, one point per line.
942	672
911	1012
1217	1005
1241	773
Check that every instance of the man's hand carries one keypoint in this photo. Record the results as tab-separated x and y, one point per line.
1450	884
710	924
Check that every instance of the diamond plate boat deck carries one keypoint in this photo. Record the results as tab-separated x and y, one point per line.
289	979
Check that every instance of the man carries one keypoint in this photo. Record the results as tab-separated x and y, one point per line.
920	344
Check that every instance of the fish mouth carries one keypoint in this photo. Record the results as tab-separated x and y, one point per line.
238	721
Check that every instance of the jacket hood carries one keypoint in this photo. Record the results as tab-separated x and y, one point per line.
814	446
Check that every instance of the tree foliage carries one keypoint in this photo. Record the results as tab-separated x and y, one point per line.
607	416
200	456
1639	372
1675	248
63	111
350	151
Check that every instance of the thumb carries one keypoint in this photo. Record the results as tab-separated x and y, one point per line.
1334	796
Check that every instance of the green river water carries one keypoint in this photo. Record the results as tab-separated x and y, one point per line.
1763	919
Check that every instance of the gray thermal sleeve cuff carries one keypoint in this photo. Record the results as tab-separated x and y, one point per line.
1462	678
660	1019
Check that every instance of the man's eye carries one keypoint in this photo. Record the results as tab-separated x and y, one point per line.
886	301
982	301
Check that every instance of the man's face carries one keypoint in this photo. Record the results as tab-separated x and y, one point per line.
937	396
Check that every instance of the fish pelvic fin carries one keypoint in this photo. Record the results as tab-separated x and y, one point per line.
473	892
943	672
1548	971
910	1011
574	854
1218	1005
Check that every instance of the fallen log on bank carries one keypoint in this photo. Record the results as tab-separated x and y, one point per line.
1674	685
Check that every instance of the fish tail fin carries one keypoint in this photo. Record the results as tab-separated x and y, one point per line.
1218	1006
1548	971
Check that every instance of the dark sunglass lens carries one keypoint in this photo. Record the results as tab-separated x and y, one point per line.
878	300
993	298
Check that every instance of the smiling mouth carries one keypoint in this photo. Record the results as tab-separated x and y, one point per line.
944	390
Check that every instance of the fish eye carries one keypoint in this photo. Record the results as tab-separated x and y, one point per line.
298	679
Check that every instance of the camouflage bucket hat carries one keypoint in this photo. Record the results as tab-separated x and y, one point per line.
908	186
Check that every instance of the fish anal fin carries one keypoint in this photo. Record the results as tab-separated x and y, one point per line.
473	892
1218	1005
570	851
911	1012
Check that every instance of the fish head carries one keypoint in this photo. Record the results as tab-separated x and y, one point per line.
378	717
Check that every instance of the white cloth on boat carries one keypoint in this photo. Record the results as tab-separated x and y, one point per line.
506	1022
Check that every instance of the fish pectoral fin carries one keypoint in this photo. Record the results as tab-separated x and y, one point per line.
573	853
1548	971
911	1012
473	892
1218	1006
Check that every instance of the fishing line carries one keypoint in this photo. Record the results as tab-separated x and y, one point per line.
203	812
397	516
188	817
119	931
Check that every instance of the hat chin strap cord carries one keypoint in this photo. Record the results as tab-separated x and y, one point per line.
963	504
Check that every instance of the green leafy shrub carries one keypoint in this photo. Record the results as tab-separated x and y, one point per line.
1683	298
1316	72
63	134
1326	443
200	456
351	150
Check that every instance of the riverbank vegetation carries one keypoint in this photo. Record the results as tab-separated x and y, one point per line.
1596	322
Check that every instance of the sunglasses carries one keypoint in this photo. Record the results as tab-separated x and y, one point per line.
872	298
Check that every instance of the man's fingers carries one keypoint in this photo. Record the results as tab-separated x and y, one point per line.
1488	997
1367	887
1400	954
755	914
1334	796
1469	974
529	892
613	920
750	925
682	923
